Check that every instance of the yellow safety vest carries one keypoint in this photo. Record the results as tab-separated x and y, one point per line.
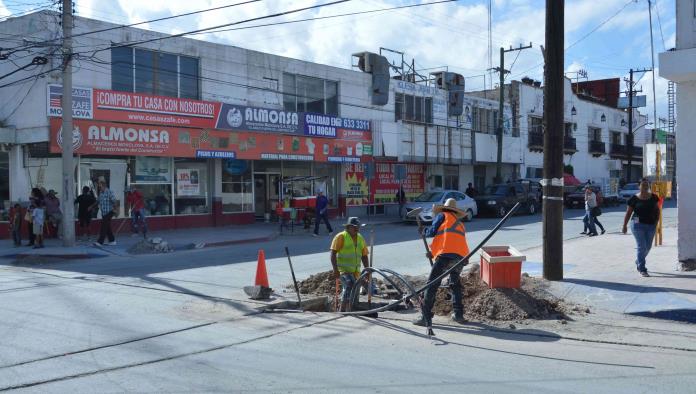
350	256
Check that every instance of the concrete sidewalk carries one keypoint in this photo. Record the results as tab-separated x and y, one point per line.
600	272
183	239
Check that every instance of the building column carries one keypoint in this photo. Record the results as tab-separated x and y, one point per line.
686	182
19	181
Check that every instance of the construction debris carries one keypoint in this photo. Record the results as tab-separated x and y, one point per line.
530	301
149	246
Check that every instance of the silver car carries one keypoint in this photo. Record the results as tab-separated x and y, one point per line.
438	197
628	191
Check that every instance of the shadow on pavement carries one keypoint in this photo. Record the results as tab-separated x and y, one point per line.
627	287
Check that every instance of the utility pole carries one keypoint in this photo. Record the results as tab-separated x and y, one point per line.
629	137
499	130
552	213
68	205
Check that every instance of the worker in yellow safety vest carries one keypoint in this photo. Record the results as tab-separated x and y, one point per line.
348	249
448	247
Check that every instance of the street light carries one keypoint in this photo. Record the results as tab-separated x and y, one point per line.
603	118
573	111
623	122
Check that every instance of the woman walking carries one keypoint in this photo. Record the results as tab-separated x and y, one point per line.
645	208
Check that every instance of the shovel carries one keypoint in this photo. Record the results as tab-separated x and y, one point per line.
416	213
292	271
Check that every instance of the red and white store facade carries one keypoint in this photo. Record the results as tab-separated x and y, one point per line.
201	163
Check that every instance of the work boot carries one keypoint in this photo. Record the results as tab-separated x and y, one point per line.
458	317
420	321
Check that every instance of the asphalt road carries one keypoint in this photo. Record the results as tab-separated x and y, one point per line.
180	323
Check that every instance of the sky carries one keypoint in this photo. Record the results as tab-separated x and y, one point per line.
604	37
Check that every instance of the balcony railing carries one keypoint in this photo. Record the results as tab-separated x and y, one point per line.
617	150
637	151
535	141
597	148
569	145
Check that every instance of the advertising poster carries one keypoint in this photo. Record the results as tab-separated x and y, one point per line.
187	182
82	103
91	137
384	185
355	185
152	169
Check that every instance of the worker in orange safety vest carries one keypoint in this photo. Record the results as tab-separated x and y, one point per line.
448	247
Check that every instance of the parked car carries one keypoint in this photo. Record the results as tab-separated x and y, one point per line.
577	198
628	190
438	197
499	199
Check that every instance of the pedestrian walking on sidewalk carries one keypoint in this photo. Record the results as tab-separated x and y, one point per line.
16	224
53	213
401	199
322	212
645	208
449	246
589	219
106	203
136	202
86	203
38	216
348	250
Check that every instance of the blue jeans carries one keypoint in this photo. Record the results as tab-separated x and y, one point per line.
643	233
347	282
441	265
138	214
325	217
589	223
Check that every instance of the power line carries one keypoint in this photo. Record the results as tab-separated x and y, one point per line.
659	23
583	37
144	22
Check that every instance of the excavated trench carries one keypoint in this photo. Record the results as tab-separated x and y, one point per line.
531	301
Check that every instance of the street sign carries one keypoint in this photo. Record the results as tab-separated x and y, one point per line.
638	102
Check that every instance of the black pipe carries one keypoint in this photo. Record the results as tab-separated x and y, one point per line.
455	266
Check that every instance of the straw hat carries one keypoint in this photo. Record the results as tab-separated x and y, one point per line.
353	221
451	206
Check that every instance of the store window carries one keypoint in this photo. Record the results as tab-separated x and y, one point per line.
296	179
237	193
4	186
153	177
191	194
452	177
153	72
328	176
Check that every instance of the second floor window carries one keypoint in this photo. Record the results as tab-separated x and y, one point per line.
616	138
535	125
413	108
569	129
158	73
484	120
595	134
309	94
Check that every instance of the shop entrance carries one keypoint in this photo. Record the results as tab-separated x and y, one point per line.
113	173
266	192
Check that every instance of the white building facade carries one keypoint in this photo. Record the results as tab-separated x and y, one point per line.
214	134
679	66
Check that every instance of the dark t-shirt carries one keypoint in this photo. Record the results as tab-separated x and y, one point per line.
647	211
84	201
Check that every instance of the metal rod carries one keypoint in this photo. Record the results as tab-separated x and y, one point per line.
294	281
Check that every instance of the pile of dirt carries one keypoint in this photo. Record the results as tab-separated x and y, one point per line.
152	245
530	301
322	283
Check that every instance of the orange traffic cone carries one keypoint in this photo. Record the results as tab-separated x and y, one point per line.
261	290
261	275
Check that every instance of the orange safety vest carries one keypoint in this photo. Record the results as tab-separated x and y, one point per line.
450	238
